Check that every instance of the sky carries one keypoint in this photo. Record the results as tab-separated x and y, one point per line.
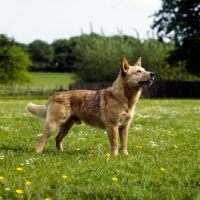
49	20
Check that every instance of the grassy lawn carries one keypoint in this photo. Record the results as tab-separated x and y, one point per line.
51	80
41	83
163	161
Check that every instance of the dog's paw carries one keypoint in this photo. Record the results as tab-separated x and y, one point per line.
124	151
115	153
38	151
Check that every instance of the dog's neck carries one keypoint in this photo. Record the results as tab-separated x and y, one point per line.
128	96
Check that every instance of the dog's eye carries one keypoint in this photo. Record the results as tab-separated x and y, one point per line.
138	71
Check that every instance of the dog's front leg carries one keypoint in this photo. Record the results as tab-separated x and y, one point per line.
112	132
123	134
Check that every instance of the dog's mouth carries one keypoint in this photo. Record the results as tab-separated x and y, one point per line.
149	82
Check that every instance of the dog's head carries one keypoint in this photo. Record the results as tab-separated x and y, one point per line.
136	76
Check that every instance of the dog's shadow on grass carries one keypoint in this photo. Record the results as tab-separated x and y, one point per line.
50	152
65	152
16	149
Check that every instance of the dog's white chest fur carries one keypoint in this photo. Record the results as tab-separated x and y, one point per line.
125	118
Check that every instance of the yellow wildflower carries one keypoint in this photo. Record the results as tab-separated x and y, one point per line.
64	176
176	147
20	169
108	154
28	183
19	191
77	149
162	169
115	179
1	178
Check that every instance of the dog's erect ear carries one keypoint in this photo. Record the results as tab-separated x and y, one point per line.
139	62
125	66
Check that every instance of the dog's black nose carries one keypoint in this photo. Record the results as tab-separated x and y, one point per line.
152	74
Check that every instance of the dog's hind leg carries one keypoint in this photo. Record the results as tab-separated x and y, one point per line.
64	129
112	132
50	127
123	134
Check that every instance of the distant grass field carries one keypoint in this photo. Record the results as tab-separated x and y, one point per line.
42	83
51	80
163	161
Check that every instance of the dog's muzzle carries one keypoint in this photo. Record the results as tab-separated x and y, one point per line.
149	82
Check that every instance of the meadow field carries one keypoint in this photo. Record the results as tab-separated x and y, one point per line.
52	80
163	161
41	83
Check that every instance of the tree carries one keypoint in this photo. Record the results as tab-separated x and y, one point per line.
98	58
61	54
41	55
179	20
14	63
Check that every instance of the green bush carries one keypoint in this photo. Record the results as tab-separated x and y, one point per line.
14	63
98	58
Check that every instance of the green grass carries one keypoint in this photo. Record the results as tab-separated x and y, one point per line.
163	134
42	83
51	80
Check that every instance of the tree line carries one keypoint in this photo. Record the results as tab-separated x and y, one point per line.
92	57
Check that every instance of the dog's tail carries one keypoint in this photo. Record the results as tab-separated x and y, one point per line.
37	110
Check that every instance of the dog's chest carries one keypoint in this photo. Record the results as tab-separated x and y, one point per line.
125	118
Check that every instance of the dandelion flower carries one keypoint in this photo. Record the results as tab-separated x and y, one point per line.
64	176
19	191
48	198
2	178
115	179
162	169
108	154
139	147
28	183
176	147
77	149
20	169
